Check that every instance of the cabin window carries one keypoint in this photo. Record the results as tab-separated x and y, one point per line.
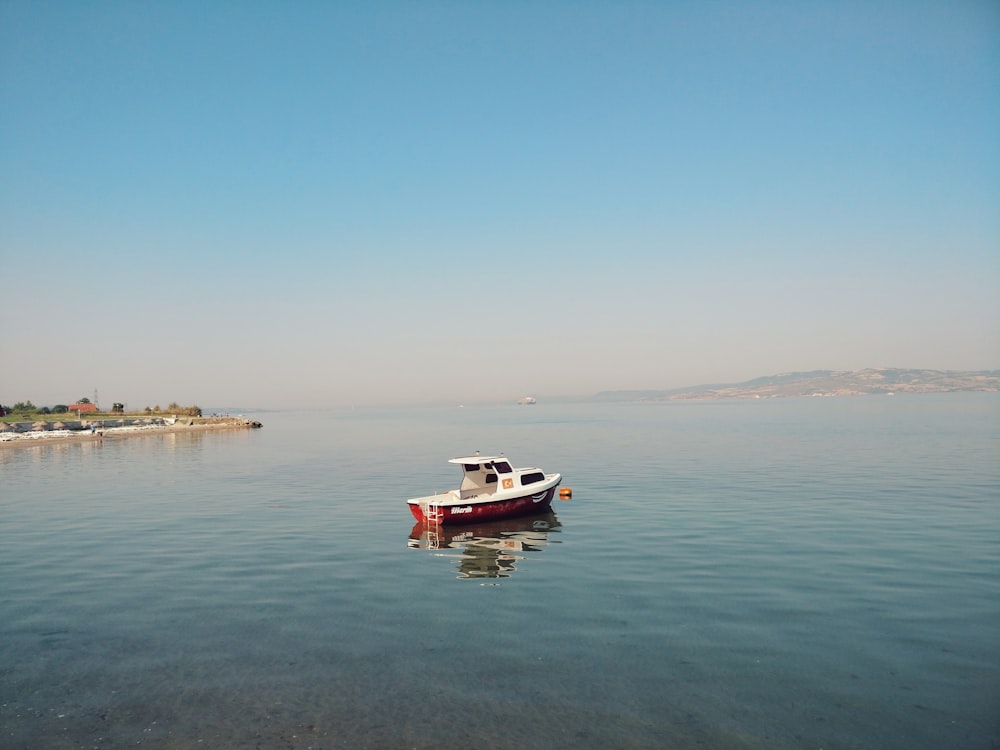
503	467
535	476
470	467
491	479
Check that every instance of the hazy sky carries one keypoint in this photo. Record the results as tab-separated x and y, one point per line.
330	203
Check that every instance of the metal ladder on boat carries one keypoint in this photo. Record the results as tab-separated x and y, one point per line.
432	512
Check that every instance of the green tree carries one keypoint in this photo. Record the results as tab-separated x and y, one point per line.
192	411
83	400
60	409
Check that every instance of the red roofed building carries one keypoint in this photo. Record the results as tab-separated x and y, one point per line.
83	407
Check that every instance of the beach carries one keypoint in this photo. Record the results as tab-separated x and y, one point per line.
25	434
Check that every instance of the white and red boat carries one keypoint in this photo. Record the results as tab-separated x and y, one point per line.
491	489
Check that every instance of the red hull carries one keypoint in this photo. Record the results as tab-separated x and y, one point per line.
488	511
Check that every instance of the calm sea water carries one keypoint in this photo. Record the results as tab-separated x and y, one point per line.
808	573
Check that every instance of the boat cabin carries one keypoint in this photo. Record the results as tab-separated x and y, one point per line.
483	475
480	474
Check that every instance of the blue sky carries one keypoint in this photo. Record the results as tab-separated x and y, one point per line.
325	204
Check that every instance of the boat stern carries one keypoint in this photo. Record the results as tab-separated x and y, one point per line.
431	509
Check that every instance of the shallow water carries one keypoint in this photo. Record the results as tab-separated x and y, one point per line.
768	574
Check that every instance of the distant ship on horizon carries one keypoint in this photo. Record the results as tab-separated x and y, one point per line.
526	400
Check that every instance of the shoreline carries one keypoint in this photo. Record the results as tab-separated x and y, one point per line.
48	437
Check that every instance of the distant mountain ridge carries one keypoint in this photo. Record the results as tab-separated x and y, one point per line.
825	383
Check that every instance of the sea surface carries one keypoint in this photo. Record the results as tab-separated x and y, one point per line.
799	573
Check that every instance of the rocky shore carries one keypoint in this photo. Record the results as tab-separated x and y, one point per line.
33	433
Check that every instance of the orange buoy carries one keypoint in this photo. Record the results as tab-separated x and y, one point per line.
565	493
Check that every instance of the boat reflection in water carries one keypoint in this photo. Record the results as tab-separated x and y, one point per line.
490	549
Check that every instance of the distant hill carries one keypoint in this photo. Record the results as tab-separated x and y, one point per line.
825	383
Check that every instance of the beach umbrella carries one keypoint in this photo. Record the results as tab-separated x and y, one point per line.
40	425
